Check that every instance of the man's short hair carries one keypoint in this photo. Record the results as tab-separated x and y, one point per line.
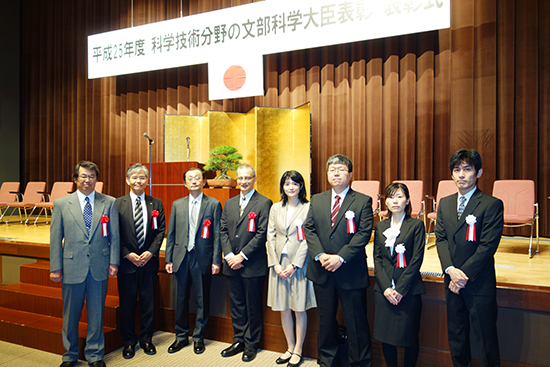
136	168
246	165
470	156
340	159
86	165
193	169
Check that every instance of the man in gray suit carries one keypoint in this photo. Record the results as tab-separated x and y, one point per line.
84	252
193	253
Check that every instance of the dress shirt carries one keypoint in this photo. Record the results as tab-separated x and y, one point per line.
82	200
468	195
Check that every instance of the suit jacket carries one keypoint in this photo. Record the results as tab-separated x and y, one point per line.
75	252
474	258
207	250
279	235
407	280
235	237
128	239
322	238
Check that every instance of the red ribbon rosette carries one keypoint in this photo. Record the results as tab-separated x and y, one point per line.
155	214
300	229
205	229
401	261
251	222
104	228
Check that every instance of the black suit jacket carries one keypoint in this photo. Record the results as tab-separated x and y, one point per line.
322	238
475	259
207	250
235	237
128	239
407	280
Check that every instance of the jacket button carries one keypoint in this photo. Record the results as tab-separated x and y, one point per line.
88	255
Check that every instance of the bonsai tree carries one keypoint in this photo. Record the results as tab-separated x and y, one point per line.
223	158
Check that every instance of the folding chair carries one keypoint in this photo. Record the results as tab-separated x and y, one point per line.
34	192
444	188
59	189
8	196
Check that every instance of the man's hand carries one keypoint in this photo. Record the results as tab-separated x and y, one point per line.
56	276
145	257
113	269
215	269
330	262
235	262
458	277
169	268
134	258
393	296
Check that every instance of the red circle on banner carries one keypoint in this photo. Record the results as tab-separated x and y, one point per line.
234	78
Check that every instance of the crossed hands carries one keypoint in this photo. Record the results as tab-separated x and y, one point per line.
393	296
458	280
330	262
139	260
285	273
235	262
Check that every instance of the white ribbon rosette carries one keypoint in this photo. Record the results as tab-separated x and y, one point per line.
400	249
351	224
471	234
299	229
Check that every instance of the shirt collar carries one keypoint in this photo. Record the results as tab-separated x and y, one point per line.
82	197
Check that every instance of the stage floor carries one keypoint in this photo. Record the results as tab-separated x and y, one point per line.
513	266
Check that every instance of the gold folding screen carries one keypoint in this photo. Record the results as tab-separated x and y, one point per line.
273	140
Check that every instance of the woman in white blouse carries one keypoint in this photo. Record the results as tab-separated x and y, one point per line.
287	255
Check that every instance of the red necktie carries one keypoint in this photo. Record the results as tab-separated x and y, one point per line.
335	209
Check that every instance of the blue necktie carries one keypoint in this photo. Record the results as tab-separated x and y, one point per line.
461	206
88	214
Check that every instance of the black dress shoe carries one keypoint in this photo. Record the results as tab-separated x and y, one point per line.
296	364
198	347
281	360
177	345
232	350
129	351
98	364
68	364
249	354
148	348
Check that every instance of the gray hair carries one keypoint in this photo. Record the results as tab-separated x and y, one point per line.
246	165
340	159
136	168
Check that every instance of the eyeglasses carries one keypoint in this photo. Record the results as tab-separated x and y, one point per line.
91	177
338	169
193	178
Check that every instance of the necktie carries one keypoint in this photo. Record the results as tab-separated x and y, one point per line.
138	221
241	207
87	214
335	209
192	226
461	206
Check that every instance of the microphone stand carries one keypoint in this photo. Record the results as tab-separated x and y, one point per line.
150	172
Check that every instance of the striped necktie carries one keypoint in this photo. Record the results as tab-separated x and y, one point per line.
335	210
138	221
461	206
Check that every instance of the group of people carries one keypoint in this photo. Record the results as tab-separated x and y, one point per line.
313	254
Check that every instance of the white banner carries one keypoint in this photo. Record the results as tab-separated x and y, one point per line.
259	28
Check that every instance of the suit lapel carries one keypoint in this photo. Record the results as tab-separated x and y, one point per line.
350	197
469	209
76	211
385	224
99	205
249	207
405	226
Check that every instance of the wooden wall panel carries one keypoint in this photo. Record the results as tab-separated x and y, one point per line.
397	106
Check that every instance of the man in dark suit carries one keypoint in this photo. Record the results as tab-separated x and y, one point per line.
338	228
468	231
243	237
141	219
84	252
193	253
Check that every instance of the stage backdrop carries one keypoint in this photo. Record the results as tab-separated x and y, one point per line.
272	140
397	106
